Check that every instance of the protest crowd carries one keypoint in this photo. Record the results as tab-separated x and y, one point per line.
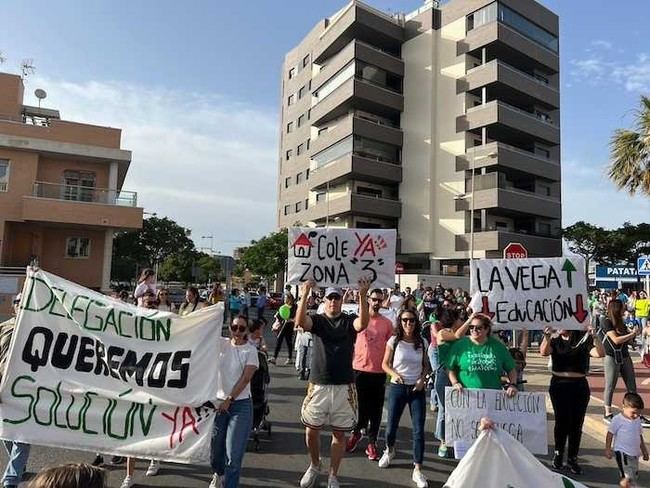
364	350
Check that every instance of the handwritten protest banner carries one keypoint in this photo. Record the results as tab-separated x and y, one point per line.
339	257
530	293
522	416
92	373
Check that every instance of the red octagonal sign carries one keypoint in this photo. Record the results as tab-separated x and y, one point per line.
514	250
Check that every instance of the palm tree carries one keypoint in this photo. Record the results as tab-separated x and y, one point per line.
630	154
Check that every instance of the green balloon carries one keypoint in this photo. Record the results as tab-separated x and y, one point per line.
284	311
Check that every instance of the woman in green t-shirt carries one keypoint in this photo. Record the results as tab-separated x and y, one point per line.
477	361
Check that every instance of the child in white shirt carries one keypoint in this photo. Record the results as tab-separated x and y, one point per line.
627	433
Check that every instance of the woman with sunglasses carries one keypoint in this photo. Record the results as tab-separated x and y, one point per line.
477	361
238	362
406	361
164	304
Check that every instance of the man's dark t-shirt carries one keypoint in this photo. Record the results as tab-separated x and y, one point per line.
331	362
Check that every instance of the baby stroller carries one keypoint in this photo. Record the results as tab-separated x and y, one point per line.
259	395
303	354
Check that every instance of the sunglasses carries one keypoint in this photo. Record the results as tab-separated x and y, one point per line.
409	320
333	297
477	328
240	328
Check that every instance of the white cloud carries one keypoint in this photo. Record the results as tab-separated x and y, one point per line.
599	43
598	69
634	76
207	162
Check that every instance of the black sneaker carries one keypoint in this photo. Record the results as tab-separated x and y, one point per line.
557	460
608	418
573	466
98	461
645	422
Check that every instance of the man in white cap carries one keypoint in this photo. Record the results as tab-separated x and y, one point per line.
331	393
17	452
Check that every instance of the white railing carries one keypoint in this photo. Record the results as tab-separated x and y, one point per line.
86	194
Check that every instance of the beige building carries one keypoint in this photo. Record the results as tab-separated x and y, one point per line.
61	196
422	121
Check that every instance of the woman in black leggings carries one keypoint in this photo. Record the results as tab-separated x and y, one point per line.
284	329
569	390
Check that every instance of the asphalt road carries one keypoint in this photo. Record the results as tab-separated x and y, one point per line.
282	458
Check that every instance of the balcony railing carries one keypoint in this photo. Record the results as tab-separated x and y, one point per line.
85	194
495	146
518	71
547	121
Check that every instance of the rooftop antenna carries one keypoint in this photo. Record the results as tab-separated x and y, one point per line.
27	68
41	95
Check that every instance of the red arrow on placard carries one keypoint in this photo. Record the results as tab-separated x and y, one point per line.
486	308
580	314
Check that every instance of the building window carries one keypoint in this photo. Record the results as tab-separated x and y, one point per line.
4	174
300	177
309	114
333	152
298	206
320	196
380	151
301	120
544	189
78	185
369	192
292	73
291	100
307	174
544	228
290	127
289	154
308	143
287	182
335	81
300	149
301	92
542	151
306	203
482	16
323	129
77	247
305	61
287	209
377	76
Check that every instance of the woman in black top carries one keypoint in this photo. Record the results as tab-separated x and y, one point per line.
570	351
284	330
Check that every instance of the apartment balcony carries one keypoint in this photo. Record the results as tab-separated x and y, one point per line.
355	167
355	204
503	42
358	21
358	126
97	207
492	242
489	192
498	154
357	93
358	50
508	123
503	80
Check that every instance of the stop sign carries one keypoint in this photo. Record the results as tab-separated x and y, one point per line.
399	268
515	250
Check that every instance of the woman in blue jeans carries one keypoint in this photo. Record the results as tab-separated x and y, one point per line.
406	361
449	329
238	361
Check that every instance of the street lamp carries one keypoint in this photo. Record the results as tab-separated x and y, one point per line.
491	155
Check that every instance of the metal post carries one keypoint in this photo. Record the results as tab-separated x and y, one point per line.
327	201
471	215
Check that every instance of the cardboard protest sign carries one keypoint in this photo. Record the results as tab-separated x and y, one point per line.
340	257
92	373
522	416
530	293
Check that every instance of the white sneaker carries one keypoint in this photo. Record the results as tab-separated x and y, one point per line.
386	458
217	481
154	467
333	482
419	479
128	482
308	479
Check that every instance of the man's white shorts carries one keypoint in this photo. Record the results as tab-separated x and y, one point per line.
334	405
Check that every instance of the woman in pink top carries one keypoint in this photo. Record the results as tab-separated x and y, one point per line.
370	378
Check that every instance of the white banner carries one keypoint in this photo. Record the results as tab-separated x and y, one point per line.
340	257
531	293
522	416
89	372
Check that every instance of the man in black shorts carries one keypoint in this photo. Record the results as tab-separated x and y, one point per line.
331	395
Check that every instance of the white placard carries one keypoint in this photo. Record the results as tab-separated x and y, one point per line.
531	293
91	373
522	416
340	257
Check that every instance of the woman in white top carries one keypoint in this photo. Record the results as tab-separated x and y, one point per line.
237	363
407	363
146	282
192	302
164	304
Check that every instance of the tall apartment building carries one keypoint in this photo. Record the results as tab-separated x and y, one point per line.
422	121
61	197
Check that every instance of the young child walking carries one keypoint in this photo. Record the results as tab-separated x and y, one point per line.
627	433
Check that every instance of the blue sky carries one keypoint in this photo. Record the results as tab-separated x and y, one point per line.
195	86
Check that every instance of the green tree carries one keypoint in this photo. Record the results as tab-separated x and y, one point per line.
628	243
630	154
268	256
588	241
209	268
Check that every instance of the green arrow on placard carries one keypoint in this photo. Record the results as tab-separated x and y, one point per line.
568	268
